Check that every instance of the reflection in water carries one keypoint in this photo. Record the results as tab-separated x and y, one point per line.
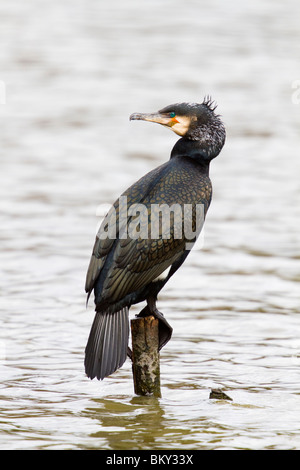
135	424
74	72
142	423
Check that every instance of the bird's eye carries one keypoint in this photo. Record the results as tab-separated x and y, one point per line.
172	114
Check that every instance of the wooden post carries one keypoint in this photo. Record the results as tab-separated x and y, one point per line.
145	356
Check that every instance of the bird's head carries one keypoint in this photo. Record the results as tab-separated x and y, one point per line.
192	121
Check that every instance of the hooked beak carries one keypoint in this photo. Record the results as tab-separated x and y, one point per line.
178	124
160	118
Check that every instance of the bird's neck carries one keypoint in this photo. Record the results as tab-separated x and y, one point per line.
192	149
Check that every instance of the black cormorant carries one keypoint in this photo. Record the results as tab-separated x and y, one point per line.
124	269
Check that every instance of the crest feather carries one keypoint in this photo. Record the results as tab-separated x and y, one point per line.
210	103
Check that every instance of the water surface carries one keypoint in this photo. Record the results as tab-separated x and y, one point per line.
74	72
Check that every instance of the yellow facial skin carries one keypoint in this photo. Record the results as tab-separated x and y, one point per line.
178	124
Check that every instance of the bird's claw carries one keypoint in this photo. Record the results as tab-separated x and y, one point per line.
165	330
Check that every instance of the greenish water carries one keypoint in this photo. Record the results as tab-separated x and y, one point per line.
74	72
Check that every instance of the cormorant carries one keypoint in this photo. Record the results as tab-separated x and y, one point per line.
126	270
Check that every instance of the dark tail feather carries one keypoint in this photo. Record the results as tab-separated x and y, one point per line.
106	349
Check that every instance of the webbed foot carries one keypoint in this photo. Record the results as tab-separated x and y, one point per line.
165	329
